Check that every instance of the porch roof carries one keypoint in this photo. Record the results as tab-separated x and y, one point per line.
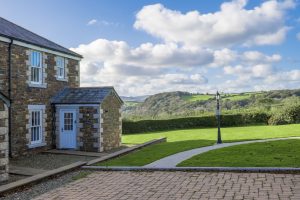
83	95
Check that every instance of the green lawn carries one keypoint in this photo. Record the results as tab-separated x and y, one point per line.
155	152
182	140
228	134
285	153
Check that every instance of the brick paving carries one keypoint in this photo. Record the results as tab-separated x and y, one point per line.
179	185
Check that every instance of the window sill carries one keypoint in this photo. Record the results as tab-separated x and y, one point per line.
62	79
31	146
44	85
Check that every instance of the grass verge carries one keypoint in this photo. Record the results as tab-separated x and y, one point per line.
182	140
284	153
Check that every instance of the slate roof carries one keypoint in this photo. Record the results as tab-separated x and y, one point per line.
11	30
82	95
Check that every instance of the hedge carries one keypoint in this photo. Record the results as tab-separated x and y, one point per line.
289	114
194	122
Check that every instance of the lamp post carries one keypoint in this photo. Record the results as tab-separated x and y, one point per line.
218	115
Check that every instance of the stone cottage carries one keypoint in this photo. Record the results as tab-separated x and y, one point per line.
88	119
46	108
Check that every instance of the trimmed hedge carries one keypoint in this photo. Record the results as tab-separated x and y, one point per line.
194	122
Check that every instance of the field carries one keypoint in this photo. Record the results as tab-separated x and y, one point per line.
205	97
237	97
181	140
285	153
198	97
131	103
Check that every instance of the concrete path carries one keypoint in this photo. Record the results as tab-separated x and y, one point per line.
173	160
179	185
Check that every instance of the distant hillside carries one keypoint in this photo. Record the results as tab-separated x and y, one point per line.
183	104
134	99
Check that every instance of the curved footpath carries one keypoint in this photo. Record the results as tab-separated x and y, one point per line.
175	159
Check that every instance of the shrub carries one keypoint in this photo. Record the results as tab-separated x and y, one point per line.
288	114
194	122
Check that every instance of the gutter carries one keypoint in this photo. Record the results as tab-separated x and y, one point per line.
9	96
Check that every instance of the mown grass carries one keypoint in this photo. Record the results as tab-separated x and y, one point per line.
285	153
228	134
155	152
182	140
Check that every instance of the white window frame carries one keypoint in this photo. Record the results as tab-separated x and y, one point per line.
61	65
34	124
37	64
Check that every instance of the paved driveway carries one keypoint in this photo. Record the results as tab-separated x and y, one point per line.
179	185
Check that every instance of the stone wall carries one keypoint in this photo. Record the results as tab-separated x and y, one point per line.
111	122
4	68
89	129
24	95
3	142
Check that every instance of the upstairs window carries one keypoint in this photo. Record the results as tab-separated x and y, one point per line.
60	63
36	67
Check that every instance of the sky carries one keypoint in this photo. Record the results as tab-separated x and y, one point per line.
144	47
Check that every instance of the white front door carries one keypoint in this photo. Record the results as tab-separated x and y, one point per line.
67	129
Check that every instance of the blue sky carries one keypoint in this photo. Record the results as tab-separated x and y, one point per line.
139	47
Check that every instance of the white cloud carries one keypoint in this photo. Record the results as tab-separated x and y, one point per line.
194	45
151	68
256	71
254	57
226	57
261	71
146	69
146	55
260	77
287	76
107	23
233	24
184	79
92	22
101	22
